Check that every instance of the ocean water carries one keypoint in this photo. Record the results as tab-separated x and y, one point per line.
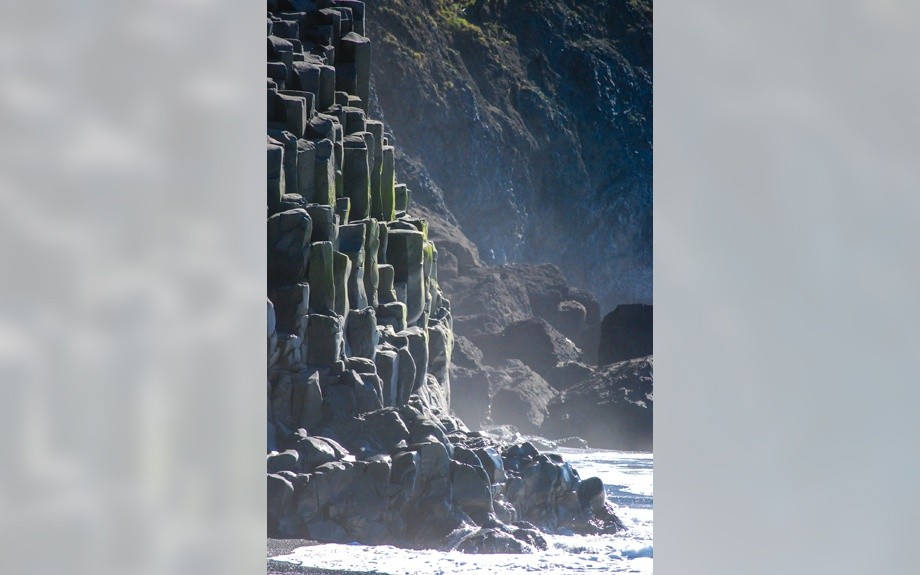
628	480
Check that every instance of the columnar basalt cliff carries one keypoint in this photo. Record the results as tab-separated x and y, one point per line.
362	445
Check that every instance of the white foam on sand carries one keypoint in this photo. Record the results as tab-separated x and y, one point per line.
628	480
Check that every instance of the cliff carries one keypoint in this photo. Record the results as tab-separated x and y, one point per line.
529	124
362	443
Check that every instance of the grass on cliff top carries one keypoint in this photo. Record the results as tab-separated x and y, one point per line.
453	13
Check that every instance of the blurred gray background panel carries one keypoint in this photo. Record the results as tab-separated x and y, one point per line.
132	273
787	209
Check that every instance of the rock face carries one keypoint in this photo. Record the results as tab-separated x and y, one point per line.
548	108
626	333
613	408
367	358
534	342
521	396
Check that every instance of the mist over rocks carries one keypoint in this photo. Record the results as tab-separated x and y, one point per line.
528	118
385	325
613	408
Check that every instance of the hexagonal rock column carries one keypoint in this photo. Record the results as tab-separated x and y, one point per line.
402	197
306	169
356	172
290	113
351	243
385	292
323	222
320	275
387	362
392	314
299	160
354	120
387	211
276	181
375	128
355	53
371	248
343	210
384	229
357	11
440	349
418	347
405	253
288	246
341	269
361	333
324	340
291	303
324	173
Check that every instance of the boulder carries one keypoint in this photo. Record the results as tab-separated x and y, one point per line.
533	341
626	333
279	501
470	489
385	427
492	540
285	461
521	396
313	452
612	409
568	374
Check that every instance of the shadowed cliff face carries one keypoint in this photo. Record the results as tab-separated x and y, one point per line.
529	124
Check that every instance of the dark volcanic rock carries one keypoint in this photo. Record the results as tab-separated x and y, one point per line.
521	397
493	541
611	409
626	333
288	245
570	373
534	342
561	96
369	301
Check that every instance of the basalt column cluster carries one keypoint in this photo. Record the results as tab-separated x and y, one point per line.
361	443
352	277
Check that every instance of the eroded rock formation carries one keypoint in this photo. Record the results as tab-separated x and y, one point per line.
362	445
